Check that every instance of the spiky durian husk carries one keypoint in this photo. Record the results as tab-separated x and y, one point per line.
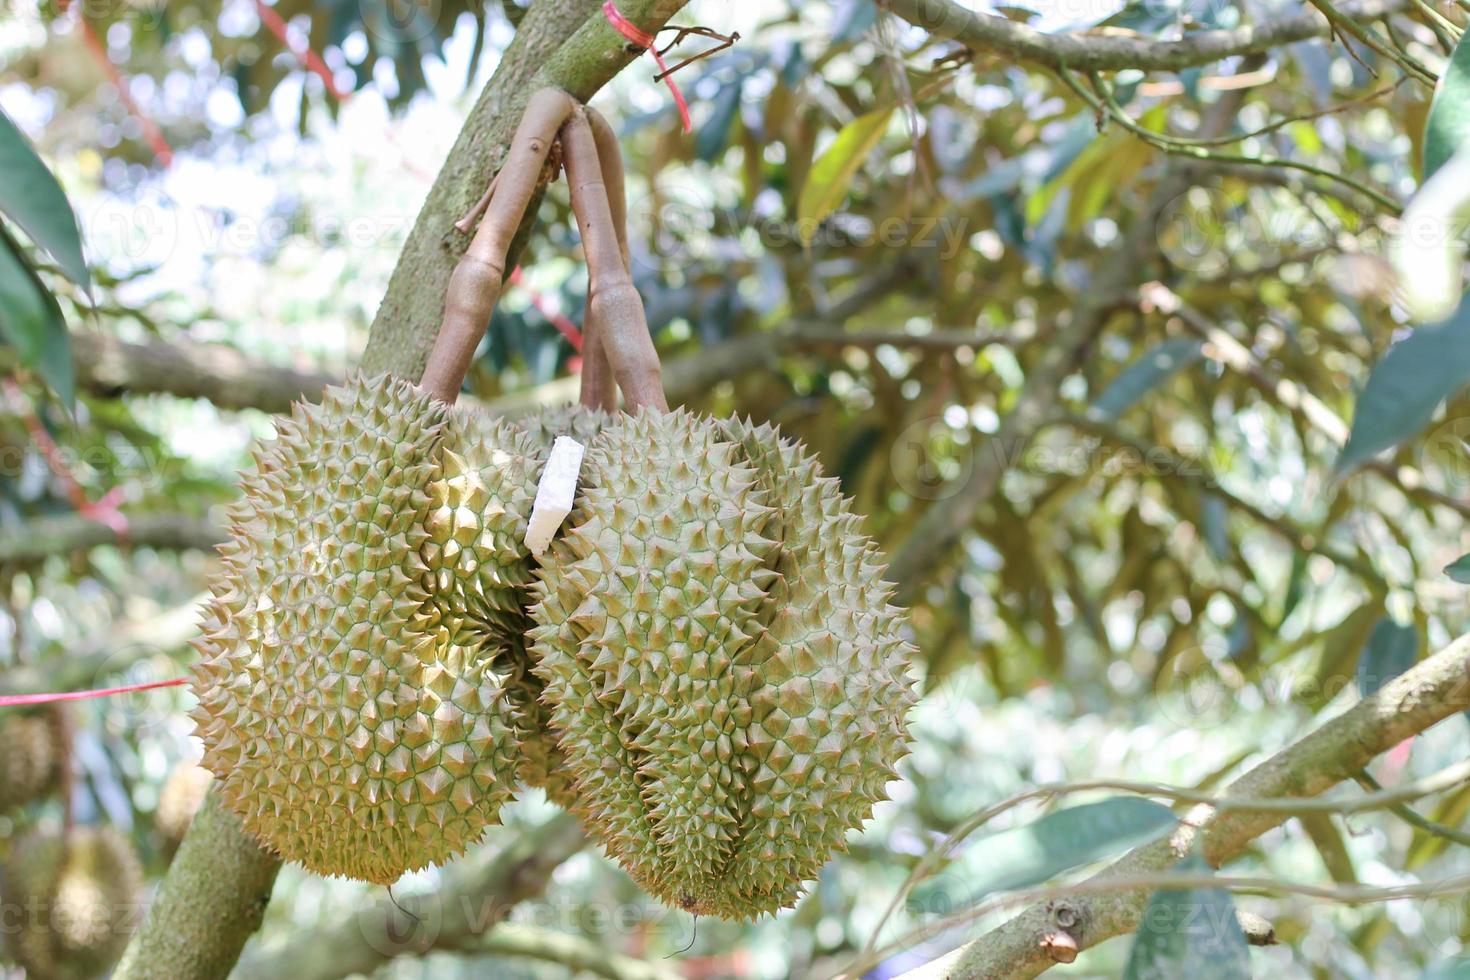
182	794
831	694
73	904
28	759
647	604
577	421
345	726
479	571
725	673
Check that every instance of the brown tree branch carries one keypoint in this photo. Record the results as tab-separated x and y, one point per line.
35	539
1101	52
1431	691
107	366
476	894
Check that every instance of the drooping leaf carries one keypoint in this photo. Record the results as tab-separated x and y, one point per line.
715	132
1448	126
1392	648
1407	385
1189	932
831	175
1041	850
1153	367
1459	569
31	322
31	197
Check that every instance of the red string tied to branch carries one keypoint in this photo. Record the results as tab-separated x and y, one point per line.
647	41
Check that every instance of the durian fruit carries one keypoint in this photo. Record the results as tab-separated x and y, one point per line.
577	421
725	674
72	902
478	571
344	724
29	755
182	794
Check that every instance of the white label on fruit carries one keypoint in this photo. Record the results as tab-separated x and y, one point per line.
555	493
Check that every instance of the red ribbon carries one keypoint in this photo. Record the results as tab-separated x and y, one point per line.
646	41
17	700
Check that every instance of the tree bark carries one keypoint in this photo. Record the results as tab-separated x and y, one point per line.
107	366
42	536
1098	52
212	900
218	886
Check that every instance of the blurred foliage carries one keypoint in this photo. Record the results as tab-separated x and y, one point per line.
1173	578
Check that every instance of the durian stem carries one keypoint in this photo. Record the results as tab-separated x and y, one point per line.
598	388
613	304
475	285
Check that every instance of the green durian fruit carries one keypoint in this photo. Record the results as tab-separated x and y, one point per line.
831	671
345	724
479	571
73	902
28	759
577	421
725	674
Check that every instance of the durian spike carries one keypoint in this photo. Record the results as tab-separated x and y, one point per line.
612	301
475	284
598	388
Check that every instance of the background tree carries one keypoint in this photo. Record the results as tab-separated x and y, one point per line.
1093	310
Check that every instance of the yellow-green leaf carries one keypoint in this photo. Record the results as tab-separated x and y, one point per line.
831	175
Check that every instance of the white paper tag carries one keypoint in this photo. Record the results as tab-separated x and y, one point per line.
555	493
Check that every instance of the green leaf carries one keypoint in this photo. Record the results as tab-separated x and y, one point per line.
1448	126
33	199
1407	385
1459	570
1041	850
715	132
831	175
31	322
1189	932
1392	648
1155	366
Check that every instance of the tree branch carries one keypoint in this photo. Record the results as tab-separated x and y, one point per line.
1431	691
107	366
1100	52
576	953
35	539
694	374
209	904
588	58
477	894
564	44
